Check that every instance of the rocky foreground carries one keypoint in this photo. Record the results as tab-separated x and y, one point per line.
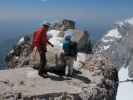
97	77
97	82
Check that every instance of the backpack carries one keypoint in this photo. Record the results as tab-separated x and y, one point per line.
66	47
70	48
74	49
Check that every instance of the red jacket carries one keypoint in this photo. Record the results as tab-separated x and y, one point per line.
40	38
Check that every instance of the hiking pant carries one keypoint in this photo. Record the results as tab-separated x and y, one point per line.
69	65
43	62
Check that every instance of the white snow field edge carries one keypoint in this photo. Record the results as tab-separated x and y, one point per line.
113	33
125	90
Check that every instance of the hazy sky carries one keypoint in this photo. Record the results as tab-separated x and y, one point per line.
95	13
96	10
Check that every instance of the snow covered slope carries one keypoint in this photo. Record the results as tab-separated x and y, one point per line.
125	89
118	44
55	39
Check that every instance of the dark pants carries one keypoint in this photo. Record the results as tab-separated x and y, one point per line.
43	62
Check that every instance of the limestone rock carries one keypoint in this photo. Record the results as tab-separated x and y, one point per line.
24	83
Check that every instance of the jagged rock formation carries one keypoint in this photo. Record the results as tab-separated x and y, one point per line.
21	54
63	25
117	44
98	81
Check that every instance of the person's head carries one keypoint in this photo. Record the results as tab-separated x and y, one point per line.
68	38
46	26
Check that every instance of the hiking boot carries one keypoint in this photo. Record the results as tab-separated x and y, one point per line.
43	75
69	75
69	78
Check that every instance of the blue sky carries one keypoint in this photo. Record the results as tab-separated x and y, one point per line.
96	10
95	14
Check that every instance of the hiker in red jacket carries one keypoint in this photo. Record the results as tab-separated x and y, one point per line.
40	41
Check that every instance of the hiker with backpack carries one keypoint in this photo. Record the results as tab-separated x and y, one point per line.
40	41
70	53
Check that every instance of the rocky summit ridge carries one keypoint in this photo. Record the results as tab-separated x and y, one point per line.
95	76
117	44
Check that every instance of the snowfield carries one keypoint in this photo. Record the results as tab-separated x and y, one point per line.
113	33
130	21
53	33
107	40
21	41
54	39
125	90
106	47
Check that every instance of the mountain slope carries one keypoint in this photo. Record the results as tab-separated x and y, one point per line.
117	43
5	48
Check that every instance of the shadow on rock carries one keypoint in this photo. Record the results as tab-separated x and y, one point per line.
82	78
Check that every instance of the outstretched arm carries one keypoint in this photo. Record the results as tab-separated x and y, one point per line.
50	44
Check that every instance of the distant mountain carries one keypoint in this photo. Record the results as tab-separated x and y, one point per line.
118	44
4	49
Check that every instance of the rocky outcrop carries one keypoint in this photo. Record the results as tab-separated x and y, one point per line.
63	25
95	77
98	80
20	55
117	44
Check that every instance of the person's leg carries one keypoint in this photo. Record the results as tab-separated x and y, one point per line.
71	61
42	63
67	66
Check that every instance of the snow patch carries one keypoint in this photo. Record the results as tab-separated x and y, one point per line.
106	47
107	40
12	51
123	74
53	33
57	41
125	90
120	23
20	41
113	33
130	21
